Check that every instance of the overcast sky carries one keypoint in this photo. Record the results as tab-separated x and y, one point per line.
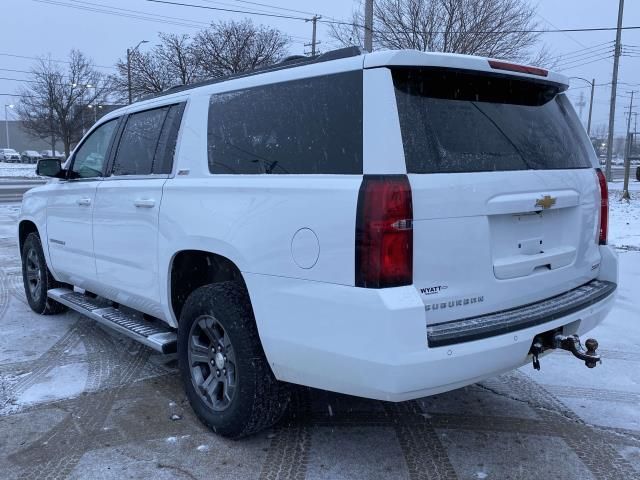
32	28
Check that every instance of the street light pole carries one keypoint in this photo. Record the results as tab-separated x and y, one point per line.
131	51
368	25
593	86
6	122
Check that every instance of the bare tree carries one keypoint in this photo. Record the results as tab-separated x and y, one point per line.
55	103
221	49
490	28
180	58
233	47
150	73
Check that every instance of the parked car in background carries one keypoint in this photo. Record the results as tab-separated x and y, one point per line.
51	154
30	156
9	155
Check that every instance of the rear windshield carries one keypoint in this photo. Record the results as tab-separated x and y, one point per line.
455	121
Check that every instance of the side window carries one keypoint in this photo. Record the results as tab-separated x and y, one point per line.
138	142
163	161
89	159
313	125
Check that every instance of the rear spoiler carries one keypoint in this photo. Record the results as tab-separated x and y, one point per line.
414	58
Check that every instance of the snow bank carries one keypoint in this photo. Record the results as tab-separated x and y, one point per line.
18	170
624	217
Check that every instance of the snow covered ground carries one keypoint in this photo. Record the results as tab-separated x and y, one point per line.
79	402
25	170
624	216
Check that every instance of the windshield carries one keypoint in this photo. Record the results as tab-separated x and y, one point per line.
457	121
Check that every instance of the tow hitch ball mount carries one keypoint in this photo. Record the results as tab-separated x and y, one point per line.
570	343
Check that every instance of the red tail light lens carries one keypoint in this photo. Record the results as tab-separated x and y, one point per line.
384	232
515	67
604	208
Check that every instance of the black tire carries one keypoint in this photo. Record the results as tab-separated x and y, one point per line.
638	174
37	278
221	314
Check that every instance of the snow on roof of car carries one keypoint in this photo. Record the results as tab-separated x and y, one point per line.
415	58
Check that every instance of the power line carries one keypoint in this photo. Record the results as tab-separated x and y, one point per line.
494	32
585	63
585	58
579	50
582	51
126	13
206	7
49	59
17	71
274	7
137	14
567	63
17	79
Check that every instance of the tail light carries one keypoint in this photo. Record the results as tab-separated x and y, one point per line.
384	232
515	67
604	208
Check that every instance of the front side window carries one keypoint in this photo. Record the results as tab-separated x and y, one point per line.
90	157
313	125
138	143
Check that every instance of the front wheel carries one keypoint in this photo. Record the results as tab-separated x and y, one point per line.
37	278
225	373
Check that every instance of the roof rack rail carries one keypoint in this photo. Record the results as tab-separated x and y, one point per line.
289	62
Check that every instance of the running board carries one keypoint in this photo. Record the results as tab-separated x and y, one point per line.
163	340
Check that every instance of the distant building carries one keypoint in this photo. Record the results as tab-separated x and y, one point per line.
21	140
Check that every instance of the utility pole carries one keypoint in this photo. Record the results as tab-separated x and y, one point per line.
627	153
593	86
6	122
53	137
131	51
580	104
314	42
614	87
368	25
129	74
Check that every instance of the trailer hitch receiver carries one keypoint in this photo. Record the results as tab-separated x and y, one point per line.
572	344
555	339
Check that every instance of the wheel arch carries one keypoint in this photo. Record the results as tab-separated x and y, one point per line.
190	269
25	227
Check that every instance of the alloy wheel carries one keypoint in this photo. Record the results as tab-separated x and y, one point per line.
212	363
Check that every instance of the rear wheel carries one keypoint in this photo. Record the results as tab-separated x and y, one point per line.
224	370
37	278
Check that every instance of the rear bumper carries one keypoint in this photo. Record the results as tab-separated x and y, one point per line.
512	320
373	343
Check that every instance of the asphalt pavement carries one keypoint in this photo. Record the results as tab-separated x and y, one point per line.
80	402
11	190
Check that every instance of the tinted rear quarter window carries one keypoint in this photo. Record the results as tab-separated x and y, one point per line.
139	141
313	125
163	161
456	121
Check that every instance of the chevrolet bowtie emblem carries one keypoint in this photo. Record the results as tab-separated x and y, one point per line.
545	202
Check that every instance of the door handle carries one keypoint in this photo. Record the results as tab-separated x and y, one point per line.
84	202
144	202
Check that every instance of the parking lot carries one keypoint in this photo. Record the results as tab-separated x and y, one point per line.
77	401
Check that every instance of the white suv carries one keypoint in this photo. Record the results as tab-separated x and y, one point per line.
389	225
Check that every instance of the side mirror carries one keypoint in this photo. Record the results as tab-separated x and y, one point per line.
49	167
